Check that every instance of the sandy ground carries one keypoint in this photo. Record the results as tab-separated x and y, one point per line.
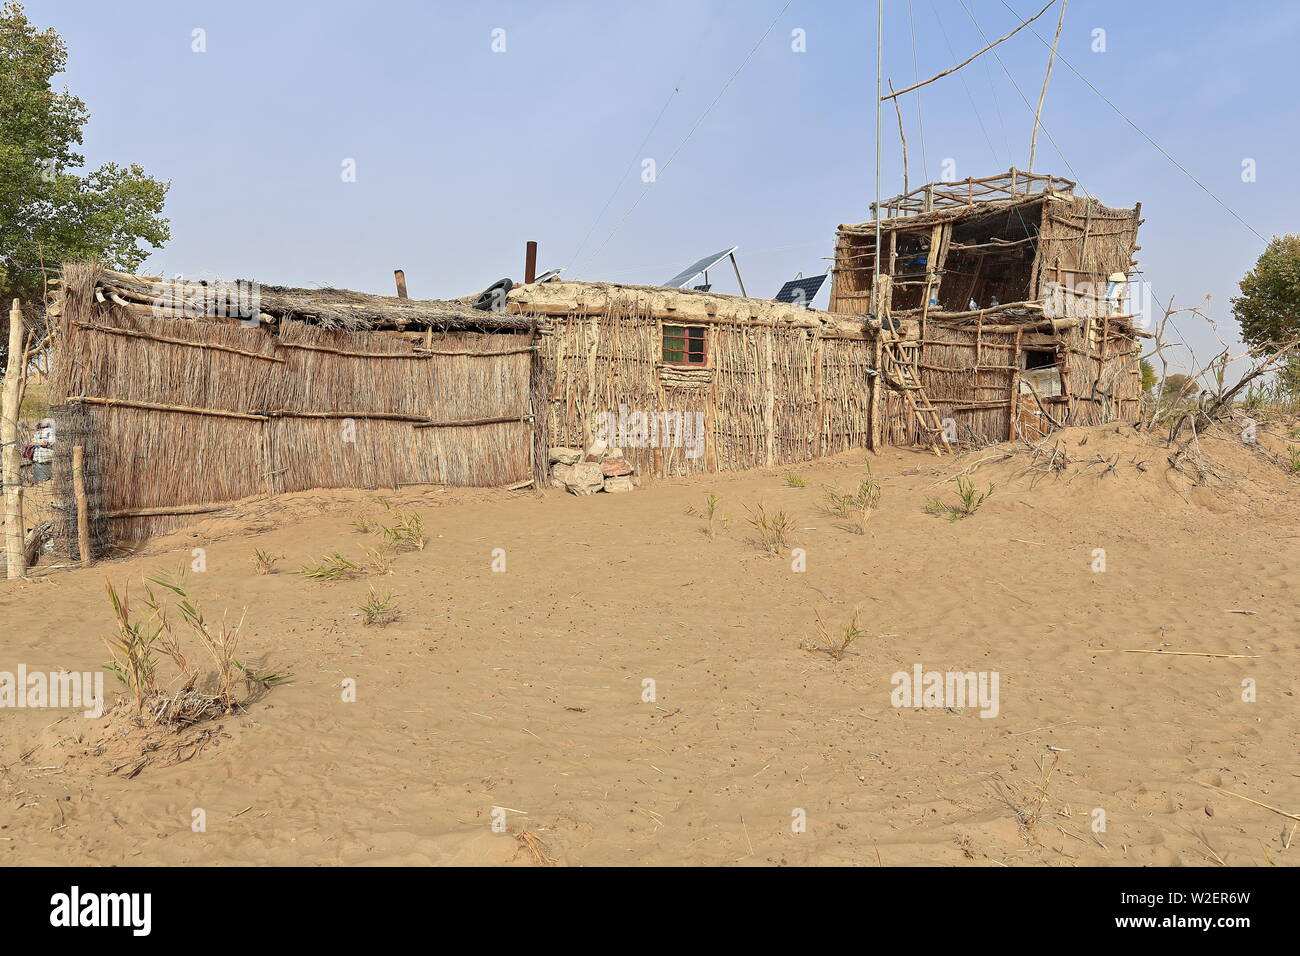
523	690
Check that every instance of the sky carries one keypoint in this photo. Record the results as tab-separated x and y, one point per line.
330	142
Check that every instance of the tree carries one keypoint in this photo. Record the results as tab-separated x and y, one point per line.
1268	308
1178	386
49	212
1149	377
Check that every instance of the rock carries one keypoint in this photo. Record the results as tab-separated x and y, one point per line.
566	456
595	451
612	453
585	478
618	484
613	467
560	475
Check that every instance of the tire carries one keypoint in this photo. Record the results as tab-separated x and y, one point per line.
494	294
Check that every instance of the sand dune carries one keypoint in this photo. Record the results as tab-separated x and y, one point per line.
524	690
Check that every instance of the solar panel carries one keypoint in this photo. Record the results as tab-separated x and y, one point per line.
697	268
800	291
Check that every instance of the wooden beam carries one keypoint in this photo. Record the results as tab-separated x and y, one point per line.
954	69
400	276
135	333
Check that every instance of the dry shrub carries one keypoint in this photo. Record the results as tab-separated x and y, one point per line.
379	560
1028	807
136	648
531	842
837	646
264	562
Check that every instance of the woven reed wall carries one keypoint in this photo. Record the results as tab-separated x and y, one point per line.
150	458
769	395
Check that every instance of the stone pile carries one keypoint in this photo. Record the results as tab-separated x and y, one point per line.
598	467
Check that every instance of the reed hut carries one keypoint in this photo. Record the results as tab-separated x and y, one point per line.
752	382
998	312
183	405
1005	299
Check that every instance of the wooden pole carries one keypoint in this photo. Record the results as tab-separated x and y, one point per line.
83	513
1033	140
400	276
902	135
530	262
954	69
875	206
11	473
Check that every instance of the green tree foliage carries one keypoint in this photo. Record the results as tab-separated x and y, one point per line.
1268	308
51	211
1179	387
1149	377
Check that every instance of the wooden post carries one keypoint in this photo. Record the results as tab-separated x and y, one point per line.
400	276
11	473
530	262
876	435
83	513
1013	402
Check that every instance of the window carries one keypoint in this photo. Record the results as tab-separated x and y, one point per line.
684	345
1039	358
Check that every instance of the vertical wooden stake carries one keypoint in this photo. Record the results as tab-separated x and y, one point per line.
400	276
1013	401
530	262
83	513
11	474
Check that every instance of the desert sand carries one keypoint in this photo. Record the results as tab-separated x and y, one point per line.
523	689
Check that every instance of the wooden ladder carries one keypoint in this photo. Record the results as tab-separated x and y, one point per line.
909	383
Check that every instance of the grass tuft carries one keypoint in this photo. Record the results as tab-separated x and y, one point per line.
772	529
711	515
856	509
837	646
330	567
379	610
265	561
408	532
968	501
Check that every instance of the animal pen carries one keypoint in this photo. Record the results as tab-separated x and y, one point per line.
1006	299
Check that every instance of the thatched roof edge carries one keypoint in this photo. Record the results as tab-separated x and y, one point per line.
327	308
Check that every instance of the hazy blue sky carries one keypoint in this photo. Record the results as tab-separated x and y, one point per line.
463	153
